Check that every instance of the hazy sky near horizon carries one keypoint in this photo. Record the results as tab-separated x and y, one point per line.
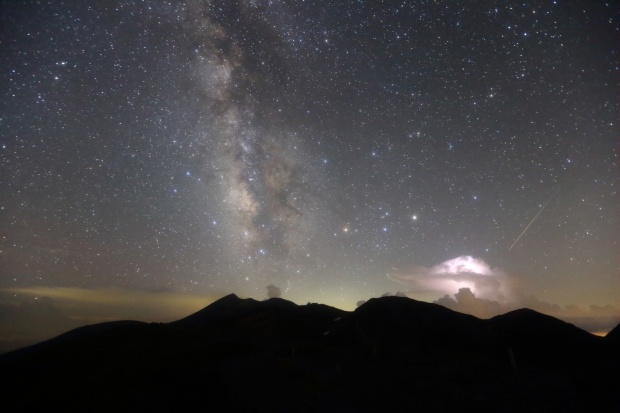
337	150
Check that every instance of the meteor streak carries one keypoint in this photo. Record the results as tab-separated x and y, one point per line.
531	222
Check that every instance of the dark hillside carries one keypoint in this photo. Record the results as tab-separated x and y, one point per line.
391	354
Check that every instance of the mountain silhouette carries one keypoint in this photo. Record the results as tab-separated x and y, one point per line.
232	307
390	354
542	340
614	334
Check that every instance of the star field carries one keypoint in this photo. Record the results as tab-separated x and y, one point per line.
322	147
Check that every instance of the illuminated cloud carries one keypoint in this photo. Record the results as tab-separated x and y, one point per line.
469	285
450	276
465	301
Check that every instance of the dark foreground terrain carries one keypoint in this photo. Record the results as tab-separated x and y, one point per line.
392	354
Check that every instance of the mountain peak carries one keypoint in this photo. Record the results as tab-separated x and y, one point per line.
231	306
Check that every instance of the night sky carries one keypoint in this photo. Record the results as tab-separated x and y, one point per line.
336	150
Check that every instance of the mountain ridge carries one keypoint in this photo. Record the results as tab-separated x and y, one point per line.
273	355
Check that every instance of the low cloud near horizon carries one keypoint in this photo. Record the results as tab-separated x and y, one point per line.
465	284
31	315
469	285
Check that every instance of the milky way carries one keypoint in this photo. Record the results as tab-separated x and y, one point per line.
330	149
263	177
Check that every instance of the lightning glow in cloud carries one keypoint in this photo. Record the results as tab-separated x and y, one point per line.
461	272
